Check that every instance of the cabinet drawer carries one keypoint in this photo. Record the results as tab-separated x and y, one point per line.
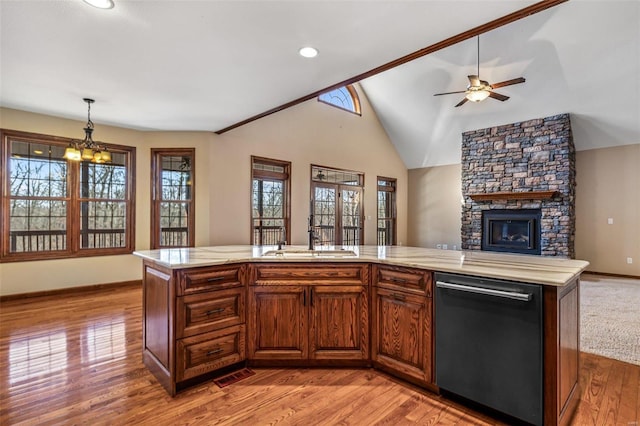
210	278
210	351
405	279
210	311
296	274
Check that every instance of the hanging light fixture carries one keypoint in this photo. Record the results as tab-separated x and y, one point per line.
87	149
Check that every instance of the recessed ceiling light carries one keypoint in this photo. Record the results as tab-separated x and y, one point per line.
308	52
101	4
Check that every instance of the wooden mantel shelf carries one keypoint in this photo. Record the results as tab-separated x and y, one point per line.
528	195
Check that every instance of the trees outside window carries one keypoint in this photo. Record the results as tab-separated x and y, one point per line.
270	205
55	208
337	203
172	197
386	211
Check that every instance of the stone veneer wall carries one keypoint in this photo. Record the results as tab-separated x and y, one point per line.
534	155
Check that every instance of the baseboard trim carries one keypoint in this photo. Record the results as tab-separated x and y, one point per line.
608	274
71	290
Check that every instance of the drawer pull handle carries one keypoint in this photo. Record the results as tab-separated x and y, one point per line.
215	351
210	280
398	280
215	311
398	296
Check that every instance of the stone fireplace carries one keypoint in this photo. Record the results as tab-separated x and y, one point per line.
518	169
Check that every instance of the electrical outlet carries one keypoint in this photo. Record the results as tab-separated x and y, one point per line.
454	247
610	221
438	246
445	247
629	260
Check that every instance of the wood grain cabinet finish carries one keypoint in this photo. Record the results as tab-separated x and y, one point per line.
210	311
278	322
197	280
193	321
208	352
302	312
402	323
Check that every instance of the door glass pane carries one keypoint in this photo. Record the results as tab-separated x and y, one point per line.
268	208
324	215
351	221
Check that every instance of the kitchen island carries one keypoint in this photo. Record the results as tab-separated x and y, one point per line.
208	309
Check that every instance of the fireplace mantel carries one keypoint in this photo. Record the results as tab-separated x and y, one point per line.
528	195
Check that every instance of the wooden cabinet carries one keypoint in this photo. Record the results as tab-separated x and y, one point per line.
402	322
303	312
278	322
194	321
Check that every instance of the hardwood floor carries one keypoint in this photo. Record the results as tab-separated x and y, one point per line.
77	359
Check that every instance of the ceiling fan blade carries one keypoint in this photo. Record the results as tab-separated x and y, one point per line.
498	96
449	93
474	80
508	82
462	102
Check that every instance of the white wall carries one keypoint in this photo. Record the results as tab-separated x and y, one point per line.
311	132
32	276
608	186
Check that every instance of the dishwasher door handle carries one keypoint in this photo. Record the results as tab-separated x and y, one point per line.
525	297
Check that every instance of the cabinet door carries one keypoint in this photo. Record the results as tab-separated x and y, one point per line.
402	333
339	320
278	322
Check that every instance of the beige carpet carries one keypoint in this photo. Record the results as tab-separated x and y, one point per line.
610	317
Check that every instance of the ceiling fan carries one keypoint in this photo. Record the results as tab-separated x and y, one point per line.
479	90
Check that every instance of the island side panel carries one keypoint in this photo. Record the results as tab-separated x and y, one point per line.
157	330
562	352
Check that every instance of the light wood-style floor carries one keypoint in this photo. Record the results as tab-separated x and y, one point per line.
76	359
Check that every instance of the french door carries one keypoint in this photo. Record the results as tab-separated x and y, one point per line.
337	214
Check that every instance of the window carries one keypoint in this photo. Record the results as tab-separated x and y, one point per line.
270	207
172	197
337	206
344	97
54	208
386	211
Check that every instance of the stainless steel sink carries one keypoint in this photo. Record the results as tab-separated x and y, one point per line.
302	253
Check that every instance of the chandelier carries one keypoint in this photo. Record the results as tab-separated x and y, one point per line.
87	149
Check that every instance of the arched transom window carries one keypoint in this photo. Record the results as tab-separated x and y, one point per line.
344	97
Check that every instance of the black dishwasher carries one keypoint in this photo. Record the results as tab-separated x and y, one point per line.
489	343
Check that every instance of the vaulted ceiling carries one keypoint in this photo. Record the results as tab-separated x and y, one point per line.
206	65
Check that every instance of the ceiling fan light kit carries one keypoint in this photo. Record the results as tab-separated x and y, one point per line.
479	90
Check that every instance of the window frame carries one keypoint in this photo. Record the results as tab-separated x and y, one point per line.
285	177
73	199
393	218
338	187
357	110
156	201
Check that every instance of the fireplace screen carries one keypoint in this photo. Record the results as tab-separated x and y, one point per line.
514	231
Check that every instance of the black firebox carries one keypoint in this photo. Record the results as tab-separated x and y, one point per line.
513	231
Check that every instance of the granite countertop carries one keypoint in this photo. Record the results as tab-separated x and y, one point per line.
524	268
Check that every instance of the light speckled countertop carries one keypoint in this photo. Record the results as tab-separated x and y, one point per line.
524	268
